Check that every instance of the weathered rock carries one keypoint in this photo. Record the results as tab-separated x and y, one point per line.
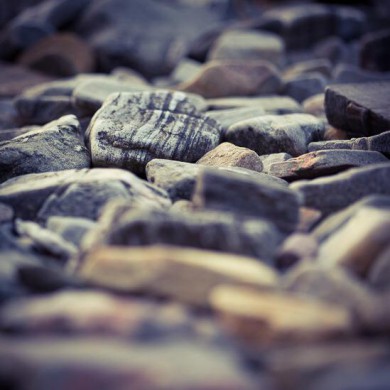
330	194
276	134
223	78
77	193
373	53
378	143
169	271
248	45
269	159
266	317
315	105
361	109
379	275
59	55
229	155
324	163
304	86
132	129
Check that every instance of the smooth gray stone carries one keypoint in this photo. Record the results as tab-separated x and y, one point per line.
304	86
246	197
377	143
122	225
276	134
269	159
77	193
179	178
132	129
333	193
360	109
57	146
324	163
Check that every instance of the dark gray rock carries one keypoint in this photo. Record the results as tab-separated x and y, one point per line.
246	197
333	193
361	109
6	213
324	163
57	146
276	134
132	129
303	86
373	53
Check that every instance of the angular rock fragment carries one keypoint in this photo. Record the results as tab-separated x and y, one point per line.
276	134
324	163
132	129
360	109
57	146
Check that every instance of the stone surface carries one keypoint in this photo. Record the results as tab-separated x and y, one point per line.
185	70
350	74
223	78
314	105
246	197
373	55
321	66
57	146
304	86
324	163
361	109
379	275
333	193
269	159
276	134
132	129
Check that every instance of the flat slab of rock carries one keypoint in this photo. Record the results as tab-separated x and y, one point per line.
324	163
132	129
55	147
361	109
276	133
333	193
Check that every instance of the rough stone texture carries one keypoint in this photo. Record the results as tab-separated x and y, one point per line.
248	45
223	78
132	129
373	54
304	86
378	143
246	197
333	193
77	193
324	163
122	225
276	134
229	155
57	146
169	272
361	109
269	159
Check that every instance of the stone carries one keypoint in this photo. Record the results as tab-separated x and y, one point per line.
304	86
333	193
185	70
168	272
247	45
373	55
333	49
276	134
315	105
8	116
77	193
229	155
351	74
6	213
318	66
379	274
269	159
266	317
324	163
123	73
10	10
224	78
125	226
60	55
132	129
57	146
378	143
246	197
361	109
308	219
9	134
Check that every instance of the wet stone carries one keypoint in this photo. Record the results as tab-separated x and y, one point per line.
132	129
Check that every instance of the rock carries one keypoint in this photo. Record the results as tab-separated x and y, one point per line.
304	86
333	193
132	129
77	193
373	55
361	109
7	135
6	213
10	10
55	147
223	78
229	155
351	74
60	55
317	66
379	275
248	45
125	226
378	143
276	134
333	49
315	105
229	117
269	159
8	116
324	163
123	73
308	219
268	317
246	197
169	271
185	70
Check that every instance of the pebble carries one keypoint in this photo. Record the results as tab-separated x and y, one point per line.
132	129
